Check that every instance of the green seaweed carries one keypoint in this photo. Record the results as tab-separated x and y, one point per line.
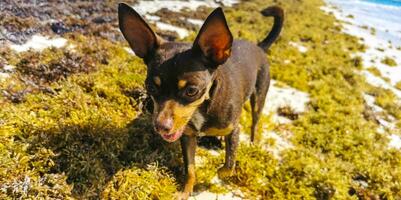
372	31
389	61
136	183
398	85
377	73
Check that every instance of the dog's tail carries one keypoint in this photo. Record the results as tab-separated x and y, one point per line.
278	15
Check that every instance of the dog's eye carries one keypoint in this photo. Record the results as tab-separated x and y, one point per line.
191	91
151	89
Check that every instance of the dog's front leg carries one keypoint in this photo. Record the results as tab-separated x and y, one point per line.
231	142
188	146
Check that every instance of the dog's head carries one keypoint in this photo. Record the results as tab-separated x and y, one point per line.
179	75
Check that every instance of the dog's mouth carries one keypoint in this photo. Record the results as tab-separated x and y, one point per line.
172	137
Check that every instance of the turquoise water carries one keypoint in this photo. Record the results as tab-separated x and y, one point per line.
386	2
383	15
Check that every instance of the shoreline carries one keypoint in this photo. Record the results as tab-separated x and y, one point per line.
378	47
374	34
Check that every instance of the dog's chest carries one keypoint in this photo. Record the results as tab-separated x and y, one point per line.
198	121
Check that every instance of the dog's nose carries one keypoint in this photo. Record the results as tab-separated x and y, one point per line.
164	126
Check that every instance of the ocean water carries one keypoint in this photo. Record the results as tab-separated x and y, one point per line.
386	2
382	15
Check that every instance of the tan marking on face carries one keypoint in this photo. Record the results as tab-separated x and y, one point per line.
182	84
157	80
219	131
181	114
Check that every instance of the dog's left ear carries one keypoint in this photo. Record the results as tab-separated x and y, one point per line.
137	32
214	39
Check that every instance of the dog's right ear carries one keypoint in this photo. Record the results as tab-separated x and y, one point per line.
137	32
214	38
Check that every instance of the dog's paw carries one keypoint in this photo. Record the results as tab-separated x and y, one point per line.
182	195
225	172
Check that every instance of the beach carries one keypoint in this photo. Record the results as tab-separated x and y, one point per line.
376	24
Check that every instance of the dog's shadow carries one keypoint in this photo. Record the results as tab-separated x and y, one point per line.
144	146
90	154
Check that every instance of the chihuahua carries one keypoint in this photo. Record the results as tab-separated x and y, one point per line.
199	89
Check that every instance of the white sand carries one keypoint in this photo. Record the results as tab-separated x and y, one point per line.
279	97
152	17
4	76
182	33
384	20
8	68
300	47
387	123
206	195
395	141
280	143
379	82
370	101
38	43
196	22
6	72
144	7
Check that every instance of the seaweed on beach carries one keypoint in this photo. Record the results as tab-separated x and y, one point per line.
398	85
180	19
63	63
36	71
20	20
389	61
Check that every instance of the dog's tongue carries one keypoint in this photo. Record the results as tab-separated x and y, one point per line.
172	137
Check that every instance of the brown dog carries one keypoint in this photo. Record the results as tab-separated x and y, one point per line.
199	89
